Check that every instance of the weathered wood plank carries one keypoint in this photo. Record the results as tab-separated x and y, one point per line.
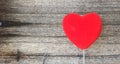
55	10
55	30
38	46
59	3
60	6
57	40
63	60
110	19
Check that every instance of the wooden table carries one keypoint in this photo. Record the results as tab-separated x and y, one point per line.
31	32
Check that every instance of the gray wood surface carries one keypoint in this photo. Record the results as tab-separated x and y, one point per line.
31	32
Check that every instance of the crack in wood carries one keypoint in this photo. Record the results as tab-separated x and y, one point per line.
88	56
19	56
9	35
12	24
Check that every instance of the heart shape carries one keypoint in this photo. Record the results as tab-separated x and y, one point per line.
82	30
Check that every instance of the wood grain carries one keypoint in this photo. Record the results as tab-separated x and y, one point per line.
107	18
31	32
56	30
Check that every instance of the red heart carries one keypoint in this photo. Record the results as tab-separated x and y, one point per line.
82	30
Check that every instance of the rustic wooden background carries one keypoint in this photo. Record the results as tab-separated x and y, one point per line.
31	32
